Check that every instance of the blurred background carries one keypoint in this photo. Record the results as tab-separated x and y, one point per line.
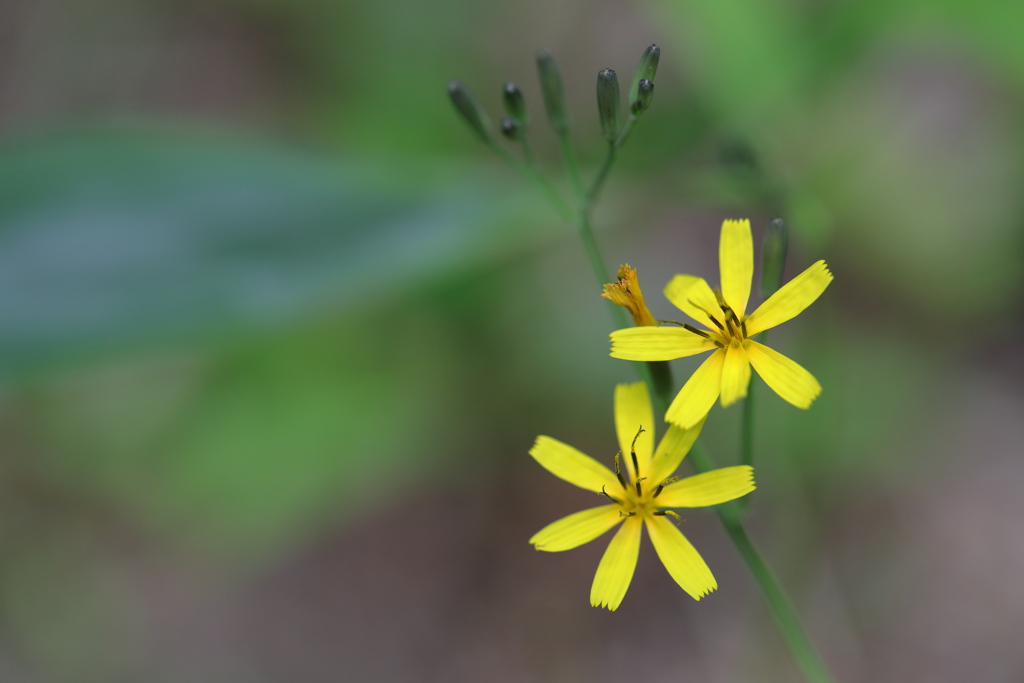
276	334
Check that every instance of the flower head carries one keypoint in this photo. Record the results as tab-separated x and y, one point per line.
729	331
641	492
626	292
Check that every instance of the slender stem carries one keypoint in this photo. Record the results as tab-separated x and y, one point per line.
785	616
625	131
570	162
602	174
747	433
530	172
747	439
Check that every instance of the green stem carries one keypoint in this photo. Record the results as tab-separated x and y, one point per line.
747	442
747	433
530	172
602	174
785	616
570	162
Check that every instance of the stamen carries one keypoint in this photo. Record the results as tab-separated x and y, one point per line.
618	472
632	452
636	465
693	329
743	327
662	513
638	491
731	314
713	319
610	497
663	484
729	318
626	514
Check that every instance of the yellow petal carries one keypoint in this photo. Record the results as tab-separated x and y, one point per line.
791	299
576	529
680	558
565	462
693	296
617	566
786	378
736	261
710	488
695	399
657	343
735	374
671	451
632	411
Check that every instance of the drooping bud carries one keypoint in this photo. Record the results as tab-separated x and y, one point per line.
608	103
515	105
512	129
626	292
645	93
647	68
773	256
470	111
554	93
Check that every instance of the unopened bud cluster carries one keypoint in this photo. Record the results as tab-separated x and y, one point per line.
515	123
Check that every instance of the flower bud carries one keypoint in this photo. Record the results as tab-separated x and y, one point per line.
468	108
515	105
554	93
608	103
647	68
773	256
512	129
645	93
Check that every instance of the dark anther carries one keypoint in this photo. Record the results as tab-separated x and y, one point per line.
693	329
711	317
618	472
632	453
731	315
626	514
610	497
639	492
743	326
663	484
730	318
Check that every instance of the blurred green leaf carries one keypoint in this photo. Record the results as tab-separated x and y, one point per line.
112	239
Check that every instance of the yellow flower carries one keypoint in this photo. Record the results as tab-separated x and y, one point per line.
640	489
626	292
728	330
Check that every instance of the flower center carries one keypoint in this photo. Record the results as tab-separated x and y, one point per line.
729	326
638	497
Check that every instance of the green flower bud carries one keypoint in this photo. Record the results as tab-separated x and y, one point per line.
554	93
515	105
468	108
512	129
647	67
773	256
608	103
645	93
